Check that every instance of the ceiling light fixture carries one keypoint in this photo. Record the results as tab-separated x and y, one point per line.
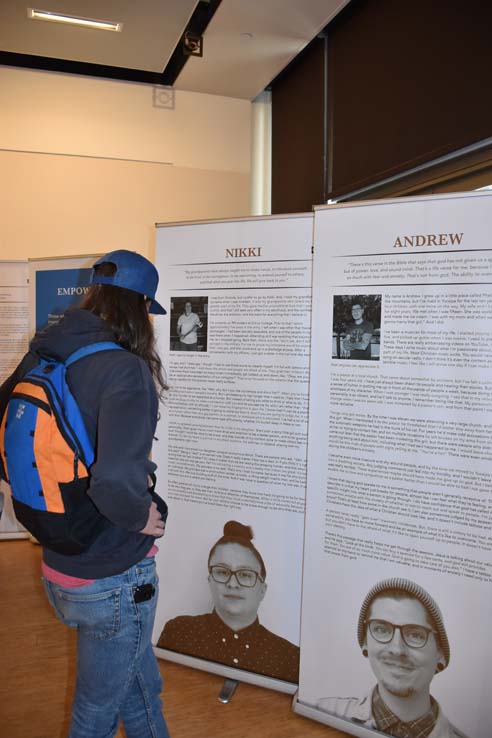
73	20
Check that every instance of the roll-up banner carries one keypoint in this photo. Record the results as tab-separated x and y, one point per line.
14	338
231	447
55	284
397	592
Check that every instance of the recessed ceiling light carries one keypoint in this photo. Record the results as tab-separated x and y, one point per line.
73	20
247	36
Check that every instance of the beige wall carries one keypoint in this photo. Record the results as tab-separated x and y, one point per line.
90	165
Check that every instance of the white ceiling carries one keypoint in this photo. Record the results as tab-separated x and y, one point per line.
242	67
151	29
246	44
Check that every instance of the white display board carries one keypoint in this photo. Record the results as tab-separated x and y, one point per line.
399	474
232	436
14	339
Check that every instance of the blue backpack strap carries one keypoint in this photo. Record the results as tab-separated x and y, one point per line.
92	348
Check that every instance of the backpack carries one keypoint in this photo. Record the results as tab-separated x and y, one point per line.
46	455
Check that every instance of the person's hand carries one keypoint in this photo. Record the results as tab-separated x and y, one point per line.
155	525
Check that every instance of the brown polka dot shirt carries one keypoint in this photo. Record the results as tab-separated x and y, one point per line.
253	648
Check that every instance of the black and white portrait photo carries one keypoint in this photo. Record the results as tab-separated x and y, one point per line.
189	323
402	634
356	327
232	633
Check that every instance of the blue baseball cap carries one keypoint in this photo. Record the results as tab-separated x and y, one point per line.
133	272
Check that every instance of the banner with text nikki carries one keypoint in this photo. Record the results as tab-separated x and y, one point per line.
397	592
232	444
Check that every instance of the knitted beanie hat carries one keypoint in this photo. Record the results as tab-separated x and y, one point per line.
418	593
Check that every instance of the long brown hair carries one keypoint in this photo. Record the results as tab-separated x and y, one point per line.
126	314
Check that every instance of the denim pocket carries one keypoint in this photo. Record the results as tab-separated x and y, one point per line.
49	594
145	571
96	614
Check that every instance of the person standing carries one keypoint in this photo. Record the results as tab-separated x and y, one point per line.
109	590
188	324
357	342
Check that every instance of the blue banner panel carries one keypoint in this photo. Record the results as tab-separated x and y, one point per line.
56	291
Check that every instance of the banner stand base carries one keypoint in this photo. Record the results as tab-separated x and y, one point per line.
227	691
228	672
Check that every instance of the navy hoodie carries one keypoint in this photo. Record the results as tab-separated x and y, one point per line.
118	401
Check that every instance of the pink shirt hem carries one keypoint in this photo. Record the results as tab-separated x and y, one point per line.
65	580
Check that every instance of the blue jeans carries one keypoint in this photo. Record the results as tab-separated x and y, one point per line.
117	672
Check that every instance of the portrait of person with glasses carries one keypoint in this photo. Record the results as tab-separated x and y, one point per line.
401	632
232	634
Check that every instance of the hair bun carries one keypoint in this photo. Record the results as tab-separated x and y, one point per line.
233	529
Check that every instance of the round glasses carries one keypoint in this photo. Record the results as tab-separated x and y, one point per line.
414	636
244	577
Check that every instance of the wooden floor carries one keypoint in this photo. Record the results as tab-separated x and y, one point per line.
37	670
